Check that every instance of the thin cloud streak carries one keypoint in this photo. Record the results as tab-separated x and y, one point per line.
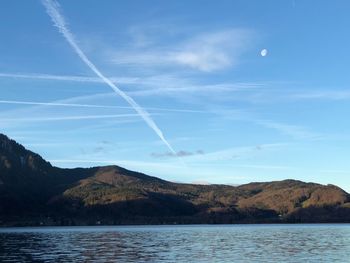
52	9
49	77
297	132
65	118
234	153
156	85
163	85
268	167
182	153
195	89
39	76
93	106
323	95
292	130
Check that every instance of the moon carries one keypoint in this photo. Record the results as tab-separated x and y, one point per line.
263	52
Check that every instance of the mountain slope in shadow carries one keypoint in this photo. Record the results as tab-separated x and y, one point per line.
33	192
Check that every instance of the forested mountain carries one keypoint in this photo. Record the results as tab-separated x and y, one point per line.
33	192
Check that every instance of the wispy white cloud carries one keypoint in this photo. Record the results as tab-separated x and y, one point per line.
174	86
171	84
204	90
213	51
295	131
200	157
235	153
204	52
181	153
202	166
292	130
322	95
53	10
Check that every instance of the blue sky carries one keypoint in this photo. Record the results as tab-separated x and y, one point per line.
195	69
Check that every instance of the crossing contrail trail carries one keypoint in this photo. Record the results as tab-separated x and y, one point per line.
53	10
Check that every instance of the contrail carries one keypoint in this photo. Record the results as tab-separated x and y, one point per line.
50	77
65	78
52	8
67	118
60	104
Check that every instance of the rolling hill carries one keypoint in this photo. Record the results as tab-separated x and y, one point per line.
33	192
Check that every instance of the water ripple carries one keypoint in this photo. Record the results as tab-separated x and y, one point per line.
222	243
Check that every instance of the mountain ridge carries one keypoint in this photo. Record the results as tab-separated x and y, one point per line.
33	192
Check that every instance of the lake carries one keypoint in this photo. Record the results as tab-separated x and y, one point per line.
189	243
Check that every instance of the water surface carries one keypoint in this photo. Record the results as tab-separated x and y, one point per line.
203	243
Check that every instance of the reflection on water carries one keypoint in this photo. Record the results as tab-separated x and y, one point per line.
234	243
